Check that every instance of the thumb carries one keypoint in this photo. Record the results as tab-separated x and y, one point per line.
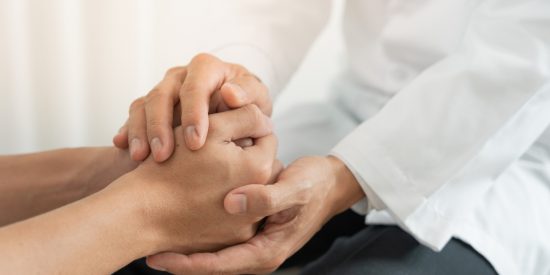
265	200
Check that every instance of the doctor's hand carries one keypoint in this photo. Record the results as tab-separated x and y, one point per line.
306	195
185	97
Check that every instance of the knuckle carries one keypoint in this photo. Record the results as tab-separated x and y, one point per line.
173	70
254	113
303	196
253	109
153	95
260	89
260	170
155	90
263	173
213	126
266	200
264	91
203	57
254	78
137	104
239	68
262	99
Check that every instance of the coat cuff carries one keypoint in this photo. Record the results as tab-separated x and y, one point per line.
371	201
388	188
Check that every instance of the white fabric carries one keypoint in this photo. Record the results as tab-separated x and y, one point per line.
463	92
513	241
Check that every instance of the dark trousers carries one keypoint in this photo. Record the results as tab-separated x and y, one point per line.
346	247
390	250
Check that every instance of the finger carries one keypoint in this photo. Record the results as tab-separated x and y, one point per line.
285	215
237	203
267	200
244	142
260	158
247	121
264	149
276	171
159	110
137	134
246	89
120	140
259	255
217	104
205	75
176	120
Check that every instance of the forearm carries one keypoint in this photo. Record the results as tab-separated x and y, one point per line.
35	183
96	235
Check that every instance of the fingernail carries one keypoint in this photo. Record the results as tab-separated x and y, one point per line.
135	145
159	268
244	142
156	146
238	91
191	135
237	204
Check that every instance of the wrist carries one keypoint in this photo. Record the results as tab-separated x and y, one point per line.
162	220
100	233
119	162
138	213
109	164
346	189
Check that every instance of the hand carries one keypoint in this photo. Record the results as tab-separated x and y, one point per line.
184	195
308	193
206	85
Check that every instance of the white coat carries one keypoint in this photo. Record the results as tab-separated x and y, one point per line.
452	100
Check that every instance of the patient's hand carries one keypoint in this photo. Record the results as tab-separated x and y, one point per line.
184	196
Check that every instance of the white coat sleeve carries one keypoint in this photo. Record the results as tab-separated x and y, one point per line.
464	119
269	37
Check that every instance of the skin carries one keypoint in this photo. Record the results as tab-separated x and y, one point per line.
174	206
307	194
32	184
206	85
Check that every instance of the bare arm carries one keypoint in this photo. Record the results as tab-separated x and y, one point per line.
95	235
174	206
32	184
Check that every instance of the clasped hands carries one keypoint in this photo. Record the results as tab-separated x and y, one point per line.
210	174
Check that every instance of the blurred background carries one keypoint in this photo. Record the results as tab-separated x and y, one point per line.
69	69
